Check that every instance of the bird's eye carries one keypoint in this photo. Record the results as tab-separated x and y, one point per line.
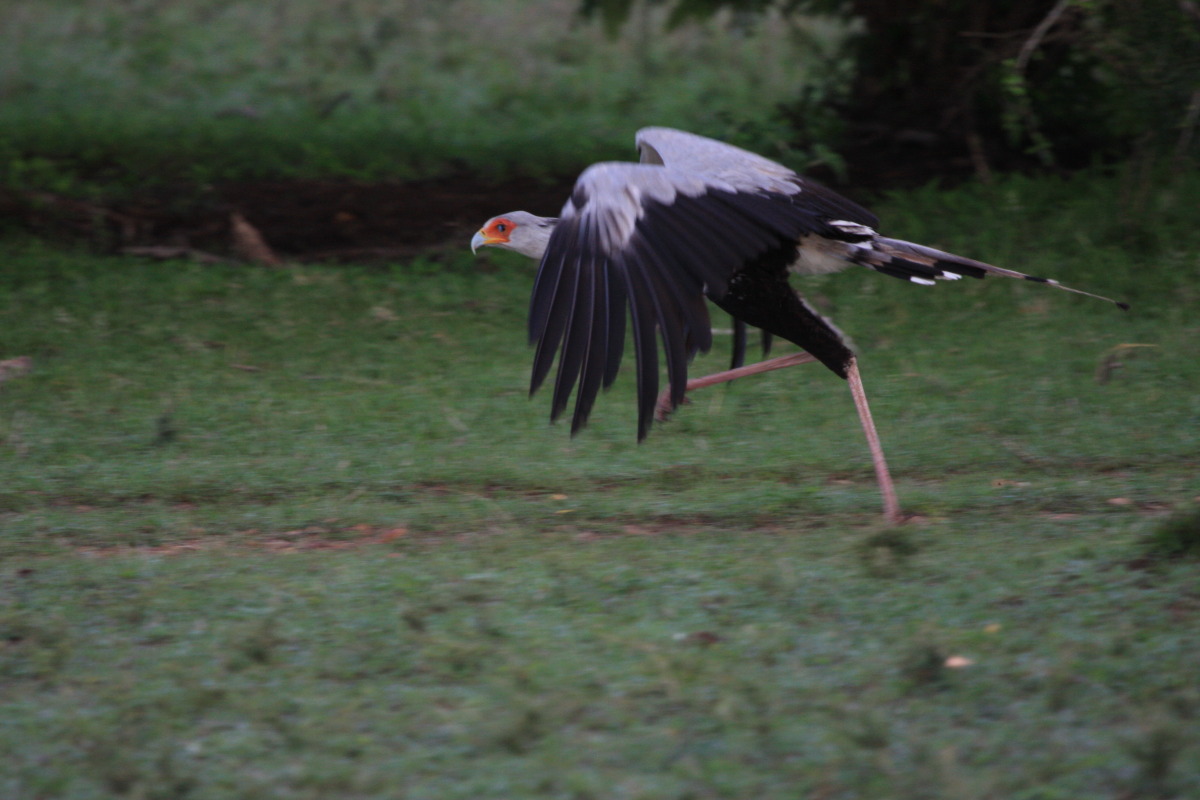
501	227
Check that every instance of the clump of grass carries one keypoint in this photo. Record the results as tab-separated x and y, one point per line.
1178	536
923	663
520	730
256	644
867	729
1062	685
32	645
886	552
1156	751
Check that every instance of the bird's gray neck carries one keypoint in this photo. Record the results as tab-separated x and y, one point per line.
533	237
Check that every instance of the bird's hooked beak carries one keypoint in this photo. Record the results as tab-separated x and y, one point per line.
481	239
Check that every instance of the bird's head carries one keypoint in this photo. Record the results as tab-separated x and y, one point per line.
521	231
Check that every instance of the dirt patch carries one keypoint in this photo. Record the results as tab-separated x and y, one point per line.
347	220
328	219
317	220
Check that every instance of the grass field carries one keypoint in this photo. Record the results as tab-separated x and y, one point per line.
103	98
298	533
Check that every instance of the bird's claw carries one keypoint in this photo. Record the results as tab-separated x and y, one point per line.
663	408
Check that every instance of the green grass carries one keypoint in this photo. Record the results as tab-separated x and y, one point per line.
104	98
299	533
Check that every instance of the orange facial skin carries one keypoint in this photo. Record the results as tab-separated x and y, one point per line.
496	231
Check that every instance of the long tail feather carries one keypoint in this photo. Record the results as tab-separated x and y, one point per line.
921	264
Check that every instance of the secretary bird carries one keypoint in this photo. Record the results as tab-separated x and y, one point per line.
697	219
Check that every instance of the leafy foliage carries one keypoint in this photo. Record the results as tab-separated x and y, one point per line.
1066	82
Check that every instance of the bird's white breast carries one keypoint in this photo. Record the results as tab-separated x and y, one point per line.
816	255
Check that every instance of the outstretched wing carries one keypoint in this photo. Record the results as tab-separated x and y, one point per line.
718	161
849	237
656	239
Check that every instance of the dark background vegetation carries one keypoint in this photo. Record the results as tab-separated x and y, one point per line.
991	84
893	94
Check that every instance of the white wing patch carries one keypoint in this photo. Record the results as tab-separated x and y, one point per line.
614	195
853	228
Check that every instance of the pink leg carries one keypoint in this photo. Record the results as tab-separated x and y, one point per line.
663	408
891	507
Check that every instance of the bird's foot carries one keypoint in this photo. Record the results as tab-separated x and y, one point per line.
663	408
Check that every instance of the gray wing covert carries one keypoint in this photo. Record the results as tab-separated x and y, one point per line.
745	171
